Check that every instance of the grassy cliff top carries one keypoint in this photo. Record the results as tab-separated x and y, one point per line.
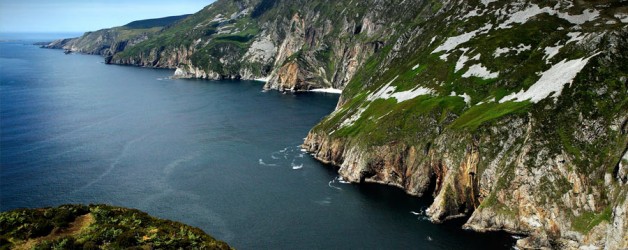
155	22
97	227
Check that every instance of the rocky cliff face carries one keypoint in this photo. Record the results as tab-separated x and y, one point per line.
510	112
514	111
295	45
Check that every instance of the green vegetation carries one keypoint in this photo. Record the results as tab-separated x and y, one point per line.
157	22
483	113
97	227
588	220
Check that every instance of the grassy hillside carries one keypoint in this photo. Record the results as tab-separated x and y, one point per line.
156	22
97	227
109	41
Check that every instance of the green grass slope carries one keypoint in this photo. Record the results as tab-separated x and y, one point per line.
97	227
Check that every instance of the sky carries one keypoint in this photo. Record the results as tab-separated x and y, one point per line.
54	16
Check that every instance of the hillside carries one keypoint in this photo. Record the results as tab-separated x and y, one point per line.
97	227
510	112
155	22
107	42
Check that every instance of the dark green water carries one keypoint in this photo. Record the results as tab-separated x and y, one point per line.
217	155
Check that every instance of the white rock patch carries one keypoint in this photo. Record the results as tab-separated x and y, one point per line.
622	17
574	37
464	96
453	42
353	118
478	70
586	16
552	51
520	48
462	60
486	2
388	91
261	50
475	12
524	15
411	94
500	51
552	81
432	41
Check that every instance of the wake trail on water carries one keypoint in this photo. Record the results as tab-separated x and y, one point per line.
261	162
421	214
42	144
115	162
337	179
57	155
190	201
176	163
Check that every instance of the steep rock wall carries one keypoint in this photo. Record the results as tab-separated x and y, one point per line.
549	166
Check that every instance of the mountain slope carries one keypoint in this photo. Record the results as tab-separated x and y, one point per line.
107	42
298	45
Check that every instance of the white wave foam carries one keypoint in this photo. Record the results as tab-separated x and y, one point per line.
342	180
261	162
332	186
295	167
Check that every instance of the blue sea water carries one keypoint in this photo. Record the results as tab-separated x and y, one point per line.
220	155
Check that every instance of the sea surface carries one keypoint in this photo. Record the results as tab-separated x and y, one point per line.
220	155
